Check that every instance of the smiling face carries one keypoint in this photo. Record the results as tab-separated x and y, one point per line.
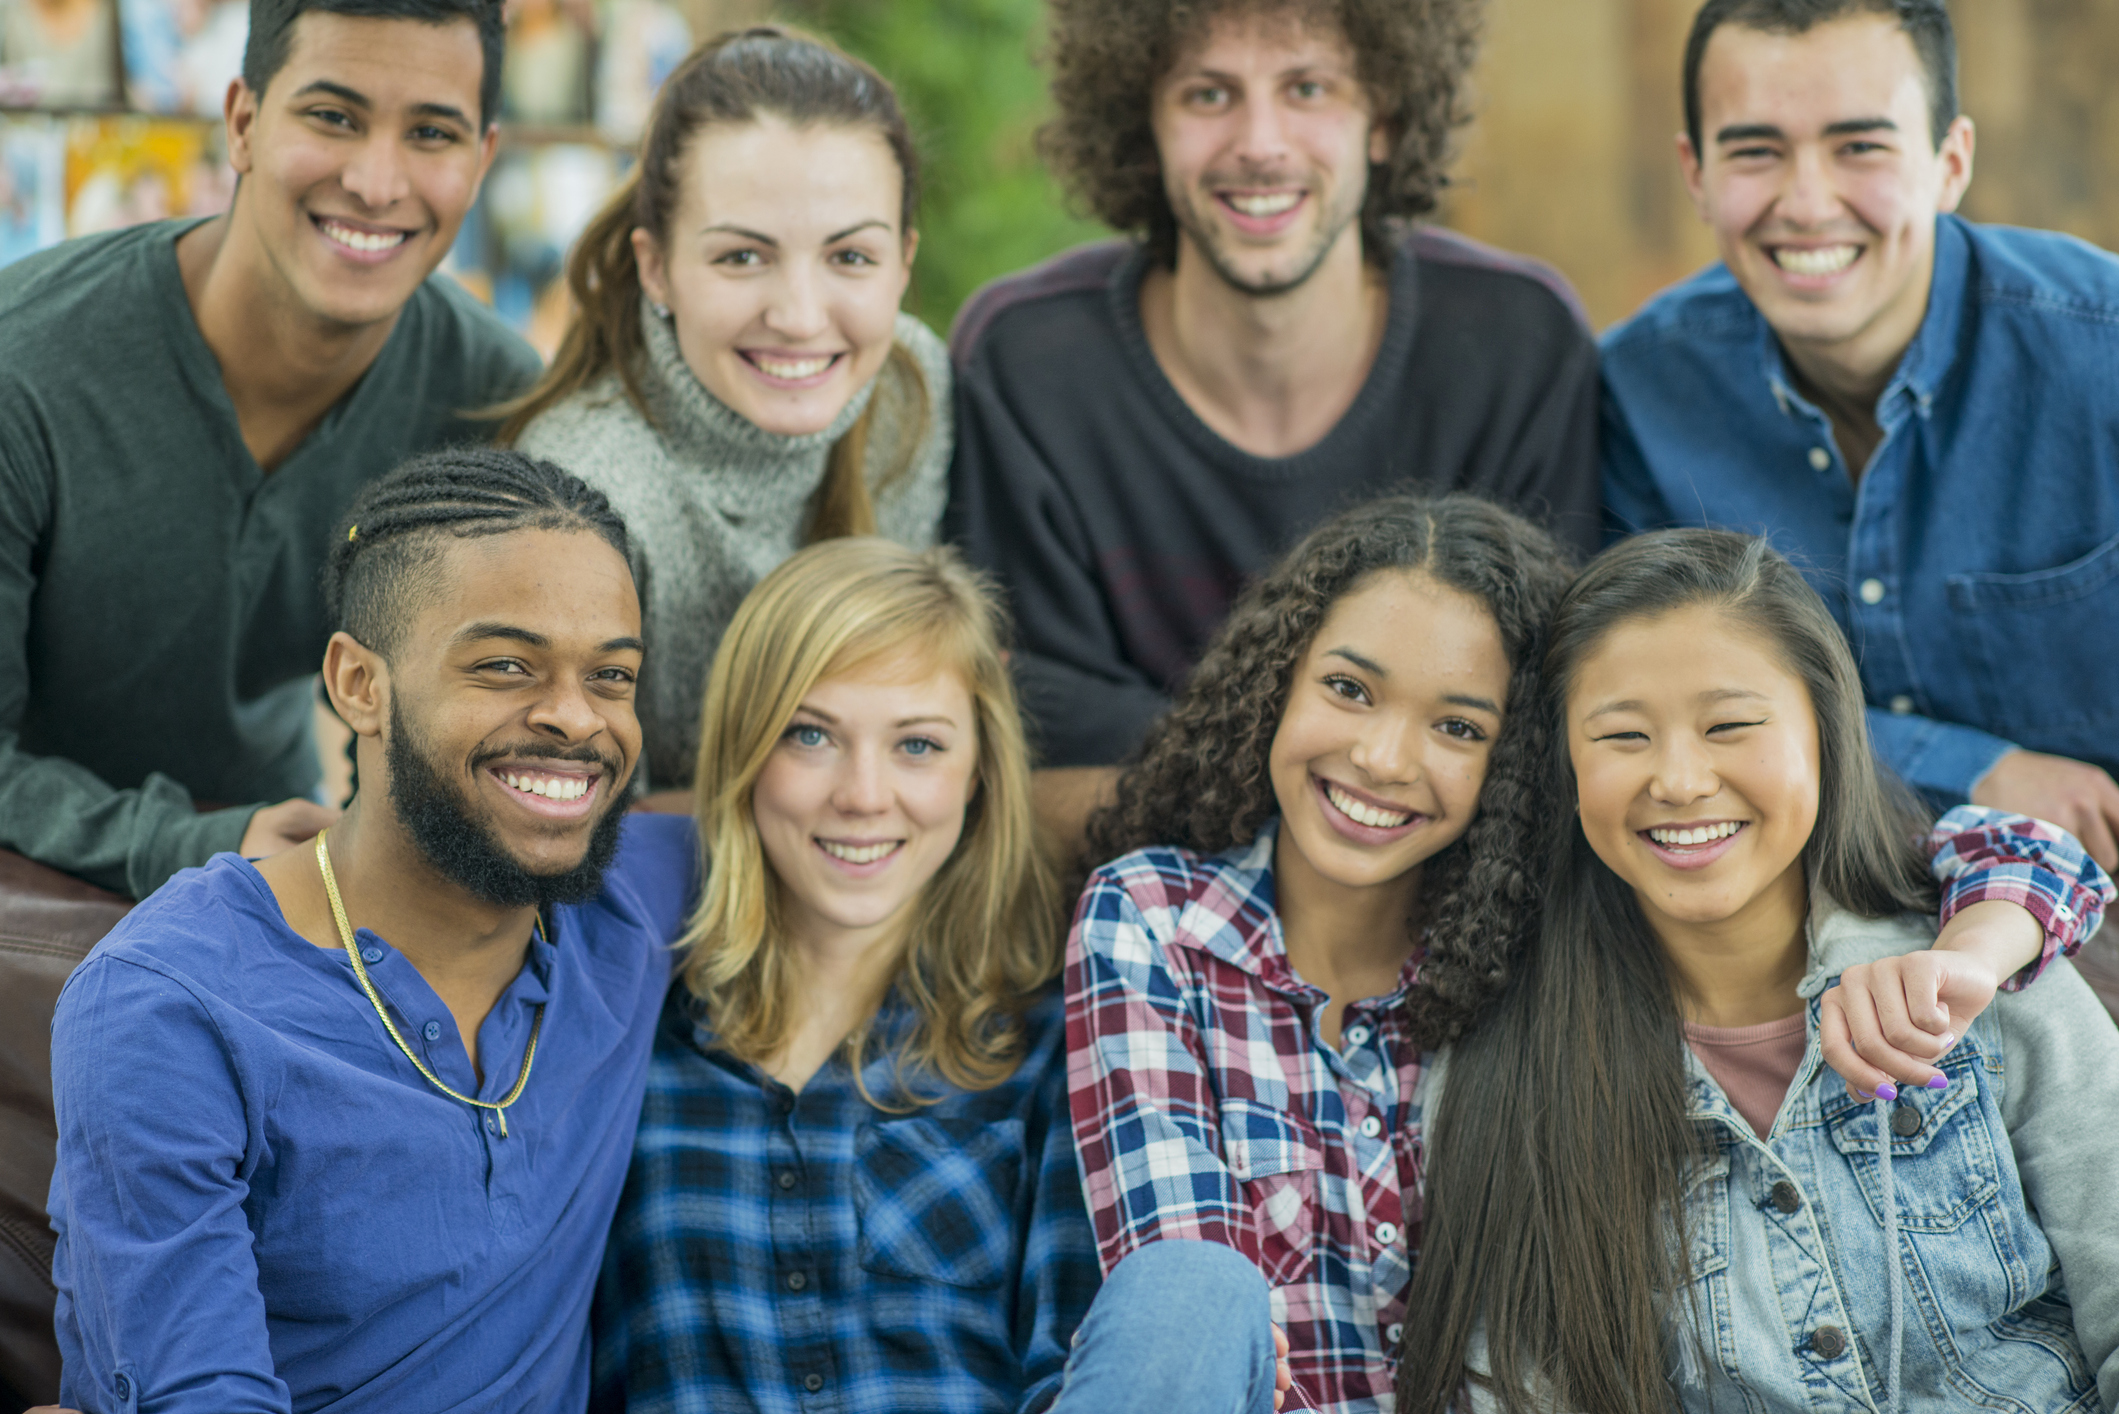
511	706
863	797
783	267
360	160
1390	719
1695	752
1264	136
1822	182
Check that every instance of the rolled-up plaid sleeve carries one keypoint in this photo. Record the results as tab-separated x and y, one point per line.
1146	1127
1986	856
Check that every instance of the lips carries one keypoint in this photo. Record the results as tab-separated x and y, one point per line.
1814	262
550	790
791	370
1361	817
1693	845
360	241
1262	212
860	858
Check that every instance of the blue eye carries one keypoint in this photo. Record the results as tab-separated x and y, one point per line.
805	734
921	746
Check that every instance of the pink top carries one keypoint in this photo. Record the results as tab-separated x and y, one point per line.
1754	1065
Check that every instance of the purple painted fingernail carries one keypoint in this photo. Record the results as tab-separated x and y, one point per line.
1940	1082
1947	1039
1887	1091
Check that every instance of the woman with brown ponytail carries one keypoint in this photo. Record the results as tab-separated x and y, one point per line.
739	381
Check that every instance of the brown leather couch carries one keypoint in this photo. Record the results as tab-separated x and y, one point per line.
48	922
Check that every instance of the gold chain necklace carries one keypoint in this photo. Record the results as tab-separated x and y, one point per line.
345	933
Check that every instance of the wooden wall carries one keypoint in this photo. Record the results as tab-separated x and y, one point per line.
1572	157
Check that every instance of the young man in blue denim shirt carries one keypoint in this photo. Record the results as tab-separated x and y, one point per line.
1916	409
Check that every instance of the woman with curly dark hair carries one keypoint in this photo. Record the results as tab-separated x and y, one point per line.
1324	865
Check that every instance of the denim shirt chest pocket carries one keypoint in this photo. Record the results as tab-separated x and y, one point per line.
937	1197
1275	1158
2019	625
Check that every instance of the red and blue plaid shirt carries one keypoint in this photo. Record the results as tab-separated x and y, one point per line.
1207	1105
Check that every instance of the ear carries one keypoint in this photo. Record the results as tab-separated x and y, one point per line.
1691	168
239	110
647	255
912	246
488	145
1380	144
357	681
1956	155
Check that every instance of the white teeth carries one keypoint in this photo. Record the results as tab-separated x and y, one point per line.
1268	205
1362	813
1705	834
858	854
1826	260
792	369
550	787
362	240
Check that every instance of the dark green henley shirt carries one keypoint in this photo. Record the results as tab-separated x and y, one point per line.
160	611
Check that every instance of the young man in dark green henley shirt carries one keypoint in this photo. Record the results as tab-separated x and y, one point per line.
186	407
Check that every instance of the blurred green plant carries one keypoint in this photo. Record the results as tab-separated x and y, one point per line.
962	69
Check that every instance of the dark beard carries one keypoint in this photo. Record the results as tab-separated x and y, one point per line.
461	846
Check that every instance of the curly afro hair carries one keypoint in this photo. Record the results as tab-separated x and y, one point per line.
1203	783
1108	56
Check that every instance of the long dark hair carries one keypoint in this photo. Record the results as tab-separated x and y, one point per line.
738	77
1558	1153
1202	780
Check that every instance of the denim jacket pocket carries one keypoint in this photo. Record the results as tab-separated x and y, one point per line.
1275	1158
937	1196
1956	1170
2028	632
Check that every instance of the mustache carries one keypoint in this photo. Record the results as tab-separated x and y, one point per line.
545	751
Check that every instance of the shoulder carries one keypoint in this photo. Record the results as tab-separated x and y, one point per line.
2042	272
1499	282
589	427
930	353
654	877
1069	285
188	946
472	353
62	303
55	277
1707	308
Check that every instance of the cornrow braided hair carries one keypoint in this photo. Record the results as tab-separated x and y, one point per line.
390	538
1202	781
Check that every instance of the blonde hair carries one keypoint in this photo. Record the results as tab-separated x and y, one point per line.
984	932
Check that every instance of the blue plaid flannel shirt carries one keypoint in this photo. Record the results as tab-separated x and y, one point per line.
780	1252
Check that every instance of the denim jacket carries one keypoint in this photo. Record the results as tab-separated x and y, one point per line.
1975	564
2007	1226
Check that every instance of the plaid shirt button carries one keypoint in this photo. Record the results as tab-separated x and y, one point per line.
812	1382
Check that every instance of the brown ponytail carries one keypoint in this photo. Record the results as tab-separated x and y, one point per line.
737	77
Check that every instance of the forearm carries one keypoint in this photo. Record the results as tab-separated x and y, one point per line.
1942	760
2003	875
59	813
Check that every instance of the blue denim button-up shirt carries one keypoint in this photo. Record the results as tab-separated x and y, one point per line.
1975	566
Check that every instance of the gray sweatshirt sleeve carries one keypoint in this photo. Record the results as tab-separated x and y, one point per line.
2060	1100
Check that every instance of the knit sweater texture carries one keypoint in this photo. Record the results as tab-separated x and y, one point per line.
713	502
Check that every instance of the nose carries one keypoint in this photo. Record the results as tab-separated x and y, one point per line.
1263	140
566	713
797	309
862	787
1683	773
375	174
1808	197
1388	749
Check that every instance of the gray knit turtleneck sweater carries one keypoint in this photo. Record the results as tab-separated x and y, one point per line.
712	502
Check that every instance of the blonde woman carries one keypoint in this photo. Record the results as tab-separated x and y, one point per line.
853	1172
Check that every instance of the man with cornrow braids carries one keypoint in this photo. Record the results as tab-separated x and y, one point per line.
348	1125
366	1106
186	407
1146	425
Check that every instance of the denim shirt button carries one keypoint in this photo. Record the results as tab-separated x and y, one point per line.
1820	459
1784	1196
1828	1342
1905	1121
1901	706
1873	591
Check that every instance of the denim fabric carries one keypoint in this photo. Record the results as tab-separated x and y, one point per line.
1180	1327
1975	565
1790	1295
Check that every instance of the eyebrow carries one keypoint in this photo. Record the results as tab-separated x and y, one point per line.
1366	665
1482	704
829	720
479	632
731	229
1708	698
355	98
1845	127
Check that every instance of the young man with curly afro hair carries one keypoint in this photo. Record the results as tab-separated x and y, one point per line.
1145	424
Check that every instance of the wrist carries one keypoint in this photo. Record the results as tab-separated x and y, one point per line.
2004	937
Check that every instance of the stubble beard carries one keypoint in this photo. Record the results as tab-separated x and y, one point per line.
1205	238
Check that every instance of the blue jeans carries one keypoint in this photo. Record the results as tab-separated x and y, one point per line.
1180	1327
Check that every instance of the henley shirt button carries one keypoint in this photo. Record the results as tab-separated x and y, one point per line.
124	1388
432	1031
1901	705
1820	459
1784	1196
1371	1127
1905	1121
1357	1035
1872	591
786	1179
797	1280
1386	1233
371	956
1828	1342
812	1382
